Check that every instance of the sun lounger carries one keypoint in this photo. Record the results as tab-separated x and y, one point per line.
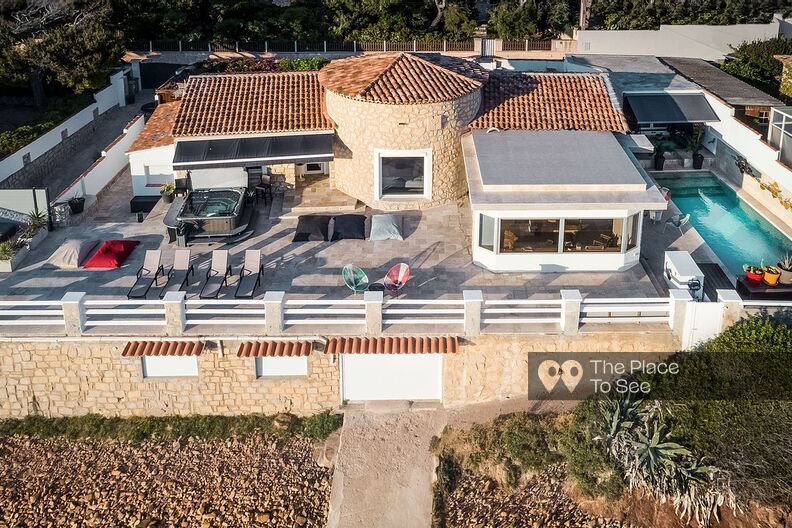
147	275
250	274
217	275
179	274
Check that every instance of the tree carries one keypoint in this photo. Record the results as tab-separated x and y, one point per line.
459	22
511	20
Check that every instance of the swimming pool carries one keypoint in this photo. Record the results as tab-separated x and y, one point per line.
730	227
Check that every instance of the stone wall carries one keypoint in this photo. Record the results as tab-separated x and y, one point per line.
73	378
37	173
496	367
283	177
363	127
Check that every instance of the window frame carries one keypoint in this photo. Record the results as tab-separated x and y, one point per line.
169	362
280	366
415	153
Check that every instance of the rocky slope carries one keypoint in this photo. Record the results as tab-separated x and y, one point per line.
256	481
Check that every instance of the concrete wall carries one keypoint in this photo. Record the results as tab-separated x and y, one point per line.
67	379
363	128
695	41
151	168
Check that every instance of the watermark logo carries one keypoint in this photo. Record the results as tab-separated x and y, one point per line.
570	372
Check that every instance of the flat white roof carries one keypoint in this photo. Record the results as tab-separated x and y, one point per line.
555	170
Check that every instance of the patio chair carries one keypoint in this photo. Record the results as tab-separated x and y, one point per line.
677	221
250	274
217	275
355	278
179	274
147	275
396	277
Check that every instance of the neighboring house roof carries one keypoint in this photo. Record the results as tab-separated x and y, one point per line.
718	82
401	78
157	130
251	103
549	101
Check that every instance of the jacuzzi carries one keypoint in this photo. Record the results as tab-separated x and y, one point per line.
213	211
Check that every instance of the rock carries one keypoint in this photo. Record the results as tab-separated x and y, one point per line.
263	518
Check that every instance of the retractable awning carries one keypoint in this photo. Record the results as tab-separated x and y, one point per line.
670	108
242	152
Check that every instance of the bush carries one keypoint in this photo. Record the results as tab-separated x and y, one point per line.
320	426
754	63
306	64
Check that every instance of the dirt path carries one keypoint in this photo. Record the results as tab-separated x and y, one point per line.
383	475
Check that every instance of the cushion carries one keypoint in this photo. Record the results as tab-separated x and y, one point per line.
111	254
72	253
349	227
311	228
386	227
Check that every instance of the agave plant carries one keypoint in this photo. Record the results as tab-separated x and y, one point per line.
657	456
618	418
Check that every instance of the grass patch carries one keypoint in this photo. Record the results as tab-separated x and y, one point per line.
138	429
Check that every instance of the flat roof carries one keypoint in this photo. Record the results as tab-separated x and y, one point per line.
718	82
555	170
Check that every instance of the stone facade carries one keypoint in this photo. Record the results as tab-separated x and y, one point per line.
283	177
73	378
37	173
496	367
362	128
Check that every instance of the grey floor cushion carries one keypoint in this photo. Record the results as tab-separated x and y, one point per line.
386	227
72	253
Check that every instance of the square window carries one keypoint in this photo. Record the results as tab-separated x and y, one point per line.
281	366
169	366
404	174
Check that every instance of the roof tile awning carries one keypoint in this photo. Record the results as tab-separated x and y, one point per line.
392	345
162	348
275	348
242	152
670	108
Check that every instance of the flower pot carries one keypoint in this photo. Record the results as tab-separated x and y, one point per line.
76	205
659	161
786	276
698	161
754	276
167	198
771	275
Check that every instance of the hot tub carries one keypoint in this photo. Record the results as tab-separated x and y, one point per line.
213	211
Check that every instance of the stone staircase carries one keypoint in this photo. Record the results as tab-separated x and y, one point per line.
317	197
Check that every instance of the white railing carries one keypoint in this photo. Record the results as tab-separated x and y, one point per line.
31	313
225	312
521	311
624	310
119	312
324	312
423	312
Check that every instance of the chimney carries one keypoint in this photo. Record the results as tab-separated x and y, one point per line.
786	74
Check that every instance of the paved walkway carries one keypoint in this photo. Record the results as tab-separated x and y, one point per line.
383	475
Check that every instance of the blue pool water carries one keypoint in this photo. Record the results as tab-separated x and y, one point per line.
733	229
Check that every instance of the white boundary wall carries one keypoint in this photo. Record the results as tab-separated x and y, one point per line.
694	40
106	99
102	171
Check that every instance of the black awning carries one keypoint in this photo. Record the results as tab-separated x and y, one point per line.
243	152
670	108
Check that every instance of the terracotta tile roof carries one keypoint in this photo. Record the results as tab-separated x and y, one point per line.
402	78
162	348
392	345
275	348
157	132
548	101
251	103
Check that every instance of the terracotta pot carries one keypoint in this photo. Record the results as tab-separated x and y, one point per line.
771	275
786	276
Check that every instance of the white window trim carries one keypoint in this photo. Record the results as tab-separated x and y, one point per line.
425	153
276	367
169	367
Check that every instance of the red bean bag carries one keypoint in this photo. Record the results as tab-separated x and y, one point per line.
111	254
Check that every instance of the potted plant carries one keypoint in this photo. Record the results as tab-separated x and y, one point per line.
35	231
11	255
77	204
167	191
695	142
771	275
753	273
659	156
785	265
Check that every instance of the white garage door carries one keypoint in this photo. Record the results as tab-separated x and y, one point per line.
392	376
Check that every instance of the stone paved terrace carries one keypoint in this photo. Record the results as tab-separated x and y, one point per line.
437	247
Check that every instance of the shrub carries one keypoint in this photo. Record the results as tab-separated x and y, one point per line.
7	250
320	426
305	64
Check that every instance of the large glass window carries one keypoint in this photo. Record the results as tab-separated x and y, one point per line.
632	231
529	236
487	232
403	175
779	135
595	235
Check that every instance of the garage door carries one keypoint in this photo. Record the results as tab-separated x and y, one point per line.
392	376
